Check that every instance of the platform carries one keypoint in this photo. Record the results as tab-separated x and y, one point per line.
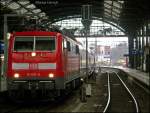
137	74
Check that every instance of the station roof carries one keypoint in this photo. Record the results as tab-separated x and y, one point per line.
129	14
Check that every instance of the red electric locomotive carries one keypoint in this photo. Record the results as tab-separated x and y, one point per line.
41	60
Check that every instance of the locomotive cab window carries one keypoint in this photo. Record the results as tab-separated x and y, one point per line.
34	43
23	44
45	44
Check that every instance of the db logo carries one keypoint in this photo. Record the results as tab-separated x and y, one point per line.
33	66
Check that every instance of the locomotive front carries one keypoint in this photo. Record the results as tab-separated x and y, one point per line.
34	61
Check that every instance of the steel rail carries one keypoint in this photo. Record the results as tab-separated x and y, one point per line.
108	101
136	105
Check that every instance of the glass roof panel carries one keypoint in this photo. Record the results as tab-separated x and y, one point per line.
37	10
115	14
116	10
107	14
114	17
108	1
107	10
5	2
14	5
116	4
121	1
113	8
42	14
23	2
45	17
31	6
107	5
22	11
96	29
29	13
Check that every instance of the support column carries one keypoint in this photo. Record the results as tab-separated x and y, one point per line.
131	57
147	34
134	52
142	48
138	48
136	56
139	56
148	46
6	36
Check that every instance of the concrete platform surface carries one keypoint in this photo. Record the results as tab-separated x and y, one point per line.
139	75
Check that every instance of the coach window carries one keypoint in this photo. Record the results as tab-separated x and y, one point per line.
45	44
77	49
68	46
74	48
64	44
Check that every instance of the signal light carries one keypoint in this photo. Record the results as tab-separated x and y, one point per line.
51	75
16	75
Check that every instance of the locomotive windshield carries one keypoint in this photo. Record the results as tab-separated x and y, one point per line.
45	44
34	44
24	44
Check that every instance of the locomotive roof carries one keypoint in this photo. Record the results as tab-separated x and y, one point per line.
36	33
44	33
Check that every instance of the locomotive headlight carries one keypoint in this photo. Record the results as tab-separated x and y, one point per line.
51	75
16	75
33	54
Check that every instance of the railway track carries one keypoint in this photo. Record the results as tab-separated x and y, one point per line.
8	106
39	106
108	88
120	98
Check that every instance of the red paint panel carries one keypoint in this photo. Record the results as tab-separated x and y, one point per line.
65	62
41	57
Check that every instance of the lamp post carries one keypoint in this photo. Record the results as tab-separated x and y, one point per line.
86	21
